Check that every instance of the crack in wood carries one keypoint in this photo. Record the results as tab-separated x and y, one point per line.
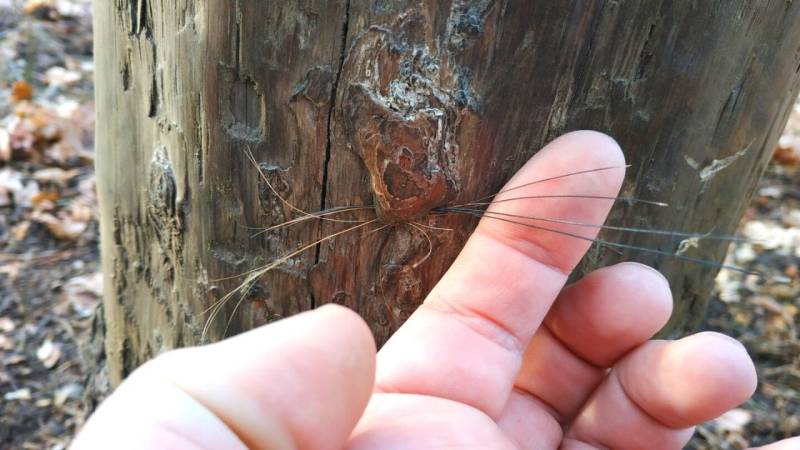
329	134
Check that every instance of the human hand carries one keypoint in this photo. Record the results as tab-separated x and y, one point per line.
498	357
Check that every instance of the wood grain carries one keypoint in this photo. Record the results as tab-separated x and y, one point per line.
405	105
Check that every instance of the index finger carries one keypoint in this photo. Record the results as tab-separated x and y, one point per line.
466	341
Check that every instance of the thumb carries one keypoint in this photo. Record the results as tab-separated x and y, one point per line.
302	382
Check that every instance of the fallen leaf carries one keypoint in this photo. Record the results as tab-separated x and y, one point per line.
745	254
771	305
81	210
41	9
62	227
21	90
66	392
782	291
771	191
60	76
84	292
10	185
19	394
11	270
7	324
49	353
787	155
5	146
734	420
55	175
6	343
88	189
791	218
14	359
20	230
24	197
65	151
791	271
44	196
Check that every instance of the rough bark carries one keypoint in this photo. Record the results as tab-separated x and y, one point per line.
405	105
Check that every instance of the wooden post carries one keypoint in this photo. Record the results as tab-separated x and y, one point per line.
405	105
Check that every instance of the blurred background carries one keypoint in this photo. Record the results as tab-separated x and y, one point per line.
50	283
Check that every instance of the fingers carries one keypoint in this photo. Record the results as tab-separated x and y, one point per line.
263	389
786	444
656	394
530	423
611	311
592	324
689	381
147	413
402	421
465	343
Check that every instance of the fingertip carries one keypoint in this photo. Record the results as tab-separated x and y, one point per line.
350	321
579	150
611	311
552	208
732	360
597	139
651	285
688	381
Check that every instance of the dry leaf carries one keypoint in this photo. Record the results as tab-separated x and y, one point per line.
63	227
14	359
787	155
83	292
55	175
5	146
81	210
7	324
24	198
734	420
88	189
66	392
41	9
20	230
20	91
67	150
11	270
6	343
49	353
19	394
60	77
10	186
42	197
767	303
32	5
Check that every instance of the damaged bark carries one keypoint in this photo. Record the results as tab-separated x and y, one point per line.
403	106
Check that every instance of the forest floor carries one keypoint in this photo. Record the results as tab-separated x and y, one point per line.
49	271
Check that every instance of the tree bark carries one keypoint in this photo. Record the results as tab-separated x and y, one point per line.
404	105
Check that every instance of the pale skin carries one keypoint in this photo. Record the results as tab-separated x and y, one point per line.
500	356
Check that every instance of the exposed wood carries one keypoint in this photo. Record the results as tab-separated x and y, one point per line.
405	105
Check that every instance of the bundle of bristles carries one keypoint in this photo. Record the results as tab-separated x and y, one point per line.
477	208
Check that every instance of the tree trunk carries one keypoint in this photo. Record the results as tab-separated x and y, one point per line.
405	105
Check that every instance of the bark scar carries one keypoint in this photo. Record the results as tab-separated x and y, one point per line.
399	106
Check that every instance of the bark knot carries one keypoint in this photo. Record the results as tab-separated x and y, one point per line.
400	103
